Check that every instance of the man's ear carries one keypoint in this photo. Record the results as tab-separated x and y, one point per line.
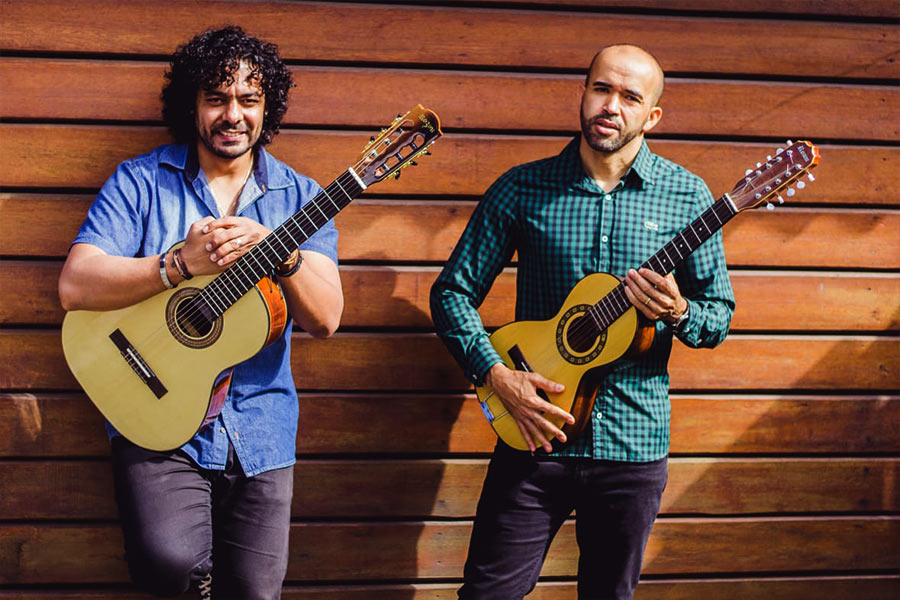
652	119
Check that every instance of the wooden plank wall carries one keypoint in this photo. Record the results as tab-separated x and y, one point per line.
784	476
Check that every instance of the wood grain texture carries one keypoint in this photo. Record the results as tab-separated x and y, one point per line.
449	488
846	8
75	156
372	361
386	296
375	551
870	587
67	425
45	225
460	36
43	89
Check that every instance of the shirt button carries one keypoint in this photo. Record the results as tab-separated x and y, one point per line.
604	239
222	429
599	416
607	197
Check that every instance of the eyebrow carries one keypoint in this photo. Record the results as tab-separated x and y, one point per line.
222	95
639	95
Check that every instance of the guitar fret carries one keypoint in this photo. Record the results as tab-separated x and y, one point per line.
338	182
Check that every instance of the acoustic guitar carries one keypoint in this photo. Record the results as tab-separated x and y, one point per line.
597	324
159	370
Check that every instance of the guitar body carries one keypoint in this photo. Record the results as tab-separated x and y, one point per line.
552	349
188	365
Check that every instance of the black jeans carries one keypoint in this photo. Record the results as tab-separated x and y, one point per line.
525	500
182	522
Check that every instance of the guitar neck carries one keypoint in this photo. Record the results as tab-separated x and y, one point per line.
615	303
275	248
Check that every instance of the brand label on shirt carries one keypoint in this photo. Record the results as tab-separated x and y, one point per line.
651	225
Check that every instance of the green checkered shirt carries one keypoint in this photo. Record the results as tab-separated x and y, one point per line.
564	227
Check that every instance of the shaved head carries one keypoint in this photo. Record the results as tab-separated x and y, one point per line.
635	56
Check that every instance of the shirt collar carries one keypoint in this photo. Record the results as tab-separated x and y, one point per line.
572	171
268	173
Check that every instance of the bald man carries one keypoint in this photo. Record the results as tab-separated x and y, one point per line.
606	203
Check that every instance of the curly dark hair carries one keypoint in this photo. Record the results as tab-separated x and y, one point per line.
210	60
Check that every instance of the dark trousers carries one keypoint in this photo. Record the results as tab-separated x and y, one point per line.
182	523
525	500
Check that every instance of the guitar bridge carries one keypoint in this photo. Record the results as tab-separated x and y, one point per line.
138	364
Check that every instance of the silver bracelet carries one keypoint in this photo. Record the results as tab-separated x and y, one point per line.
162	272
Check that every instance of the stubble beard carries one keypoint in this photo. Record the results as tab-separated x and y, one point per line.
227	152
602	143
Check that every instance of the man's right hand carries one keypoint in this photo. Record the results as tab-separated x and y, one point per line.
518	392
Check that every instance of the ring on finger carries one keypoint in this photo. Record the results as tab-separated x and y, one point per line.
238	242
647	301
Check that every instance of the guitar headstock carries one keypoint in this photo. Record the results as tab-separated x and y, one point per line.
407	137
774	177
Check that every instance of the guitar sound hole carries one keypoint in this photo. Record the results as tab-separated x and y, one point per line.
190	319
580	335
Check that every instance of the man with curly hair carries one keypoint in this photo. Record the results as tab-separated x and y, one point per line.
218	508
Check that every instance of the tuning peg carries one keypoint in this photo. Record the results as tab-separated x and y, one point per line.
770	206
758	165
780	199
779	151
748	171
427	153
801	185
397	175
399	115
768	158
790	192
413	163
789	142
810	177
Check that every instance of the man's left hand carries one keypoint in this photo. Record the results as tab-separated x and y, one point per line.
655	296
231	237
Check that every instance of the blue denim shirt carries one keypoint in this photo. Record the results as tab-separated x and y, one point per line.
144	209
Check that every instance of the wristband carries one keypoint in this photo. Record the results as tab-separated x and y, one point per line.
181	265
287	268
162	272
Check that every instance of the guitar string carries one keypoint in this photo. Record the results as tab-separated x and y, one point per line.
614	304
224	289
584	331
226	278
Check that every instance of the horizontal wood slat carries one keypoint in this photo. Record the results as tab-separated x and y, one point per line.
373	362
373	551
870	587
42	89
68	425
450	488
399	297
424	230
317	31
848	8
462	164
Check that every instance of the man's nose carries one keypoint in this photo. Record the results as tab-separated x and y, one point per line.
233	111
613	104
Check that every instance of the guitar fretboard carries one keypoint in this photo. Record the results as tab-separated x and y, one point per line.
275	248
614	304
